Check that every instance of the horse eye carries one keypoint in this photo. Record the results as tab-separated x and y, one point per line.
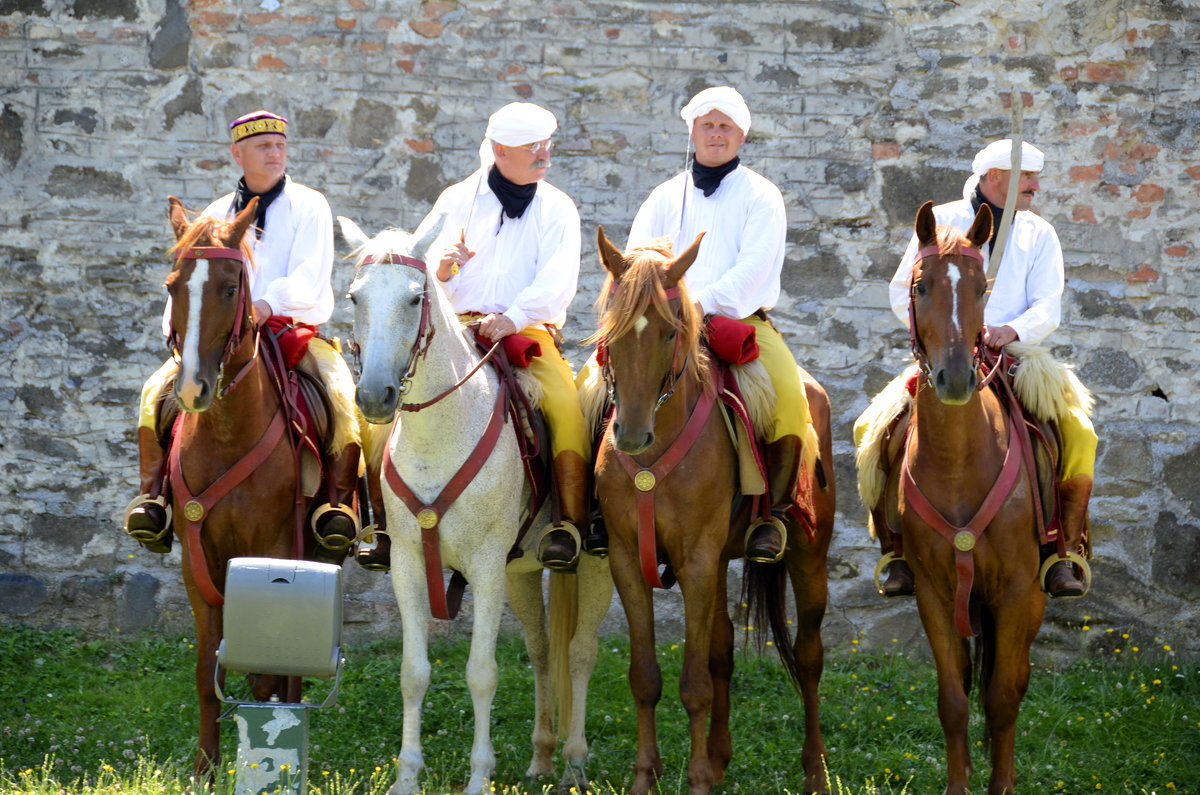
920	287
415	300
231	291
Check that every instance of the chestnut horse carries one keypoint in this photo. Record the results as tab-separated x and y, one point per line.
667	447
966	504
230	447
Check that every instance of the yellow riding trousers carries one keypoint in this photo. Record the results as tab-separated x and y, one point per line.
790	416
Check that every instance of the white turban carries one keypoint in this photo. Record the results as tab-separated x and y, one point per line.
516	124
998	154
722	98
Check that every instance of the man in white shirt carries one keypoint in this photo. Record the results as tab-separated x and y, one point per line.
293	260
1026	305
736	273
509	257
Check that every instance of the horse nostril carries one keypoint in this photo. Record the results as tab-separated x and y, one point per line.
940	380
648	440
389	395
616	429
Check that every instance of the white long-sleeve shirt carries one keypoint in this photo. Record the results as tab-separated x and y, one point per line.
1027	292
294	259
737	269
525	268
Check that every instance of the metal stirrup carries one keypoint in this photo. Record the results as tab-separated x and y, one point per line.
1070	557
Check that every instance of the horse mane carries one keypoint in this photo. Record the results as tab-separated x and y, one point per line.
641	287
207	230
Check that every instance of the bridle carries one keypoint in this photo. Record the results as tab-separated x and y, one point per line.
425	332
918	348
671	379
234	340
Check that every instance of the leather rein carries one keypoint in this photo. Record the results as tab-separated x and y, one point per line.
647	478
442	604
197	507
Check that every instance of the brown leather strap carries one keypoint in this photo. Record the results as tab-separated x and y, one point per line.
963	538
429	516
647	483
196	508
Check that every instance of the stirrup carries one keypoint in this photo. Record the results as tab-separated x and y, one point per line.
778	524
885	560
367	536
560	565
1071	557
335	542
144	536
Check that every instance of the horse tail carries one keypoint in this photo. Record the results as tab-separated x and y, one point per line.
764	593
984	661
564	614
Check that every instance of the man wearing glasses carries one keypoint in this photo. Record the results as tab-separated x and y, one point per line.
508	255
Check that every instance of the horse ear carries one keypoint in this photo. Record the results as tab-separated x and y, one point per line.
421	247
612	259
353	233
177	216
926	225
684	261
981	230
241	223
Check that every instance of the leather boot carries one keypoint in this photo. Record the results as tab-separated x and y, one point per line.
379	558
900	580
146	518
596	541
558	547
765	541
336	526
1074	495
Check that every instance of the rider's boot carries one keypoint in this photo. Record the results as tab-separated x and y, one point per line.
766	540
1074	495
336	526
558	546
379	557
146	518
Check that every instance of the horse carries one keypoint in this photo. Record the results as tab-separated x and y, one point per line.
413	351
965	500
667	456
231	460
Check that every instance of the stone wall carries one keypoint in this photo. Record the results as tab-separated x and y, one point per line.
862	110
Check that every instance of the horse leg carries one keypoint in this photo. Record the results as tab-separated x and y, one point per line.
208	635
408	582
645	677
483	672
720	667
1014	632
698	584
810	587
953	661
593	585
525	599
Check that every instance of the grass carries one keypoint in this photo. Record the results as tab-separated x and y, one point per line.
111	716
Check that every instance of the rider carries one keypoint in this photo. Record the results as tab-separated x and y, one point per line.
508	256
1025	305
737	272
293	260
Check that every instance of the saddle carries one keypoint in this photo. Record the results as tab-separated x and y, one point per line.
306	403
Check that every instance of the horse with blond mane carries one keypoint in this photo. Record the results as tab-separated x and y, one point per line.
667	478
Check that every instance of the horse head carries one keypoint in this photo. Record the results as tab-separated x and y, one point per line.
211	309
946	301
391	294
650	331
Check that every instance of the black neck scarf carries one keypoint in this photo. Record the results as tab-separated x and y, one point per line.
243	196
513	198
977	200
708	178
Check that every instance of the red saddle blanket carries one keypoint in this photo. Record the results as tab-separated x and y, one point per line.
293	338
732	340
519	349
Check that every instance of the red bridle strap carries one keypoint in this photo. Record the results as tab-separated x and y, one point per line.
210	252
396	259
961	251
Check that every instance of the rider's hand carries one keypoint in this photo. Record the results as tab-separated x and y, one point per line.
496	327
454	257
262	312
997	337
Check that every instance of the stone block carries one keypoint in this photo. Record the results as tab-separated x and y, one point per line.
21	594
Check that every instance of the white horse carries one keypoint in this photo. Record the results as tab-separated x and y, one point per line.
391	293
